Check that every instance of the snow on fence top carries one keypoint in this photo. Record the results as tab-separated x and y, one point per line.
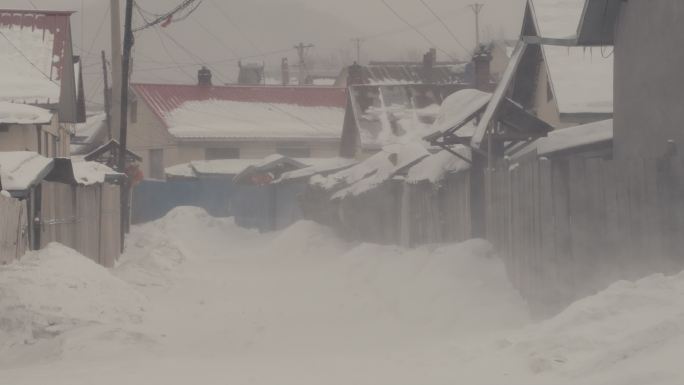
90	173
322	166
373	171
33	46
20	170
578	136
221	119
13	113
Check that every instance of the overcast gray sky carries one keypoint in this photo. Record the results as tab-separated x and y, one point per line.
221	31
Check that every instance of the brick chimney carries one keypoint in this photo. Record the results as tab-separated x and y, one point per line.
285	72
204	76
429	61
482	60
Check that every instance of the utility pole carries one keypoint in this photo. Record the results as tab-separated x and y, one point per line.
301	51
358	41
115	102
477	8
125	66
107	102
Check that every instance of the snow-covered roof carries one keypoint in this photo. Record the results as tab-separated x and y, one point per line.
582	77
578	136
436	167
32	53
93	126
13	113
89	173
373	171
386	115
322	166
221	119
459	108
20	170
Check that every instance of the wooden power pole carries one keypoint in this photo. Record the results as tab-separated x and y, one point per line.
477	8
115	102
358	41
125	67
301	51
107	101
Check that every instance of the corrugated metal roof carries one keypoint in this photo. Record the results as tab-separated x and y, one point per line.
164	98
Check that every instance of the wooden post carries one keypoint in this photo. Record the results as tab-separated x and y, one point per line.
107	101
125	66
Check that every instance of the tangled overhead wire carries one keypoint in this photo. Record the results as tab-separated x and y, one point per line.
152	19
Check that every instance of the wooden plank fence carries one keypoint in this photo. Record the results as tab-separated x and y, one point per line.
568	227
408	214
13	229
85	218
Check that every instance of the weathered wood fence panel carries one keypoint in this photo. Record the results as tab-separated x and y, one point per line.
568	227
409	214
85	218
13	229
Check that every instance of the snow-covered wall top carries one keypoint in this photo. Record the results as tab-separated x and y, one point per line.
12	113
230	119
19	170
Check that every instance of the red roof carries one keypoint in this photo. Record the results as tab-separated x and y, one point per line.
164	98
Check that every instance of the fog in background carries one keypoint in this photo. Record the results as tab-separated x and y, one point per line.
220	32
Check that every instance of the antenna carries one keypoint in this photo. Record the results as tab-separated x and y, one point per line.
477	8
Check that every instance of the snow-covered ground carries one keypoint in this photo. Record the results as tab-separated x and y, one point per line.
197	300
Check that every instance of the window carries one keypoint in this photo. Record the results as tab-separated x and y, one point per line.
54	141
294	152
157	164
221	153
134	111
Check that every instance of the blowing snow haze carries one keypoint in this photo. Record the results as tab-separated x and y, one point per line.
222	30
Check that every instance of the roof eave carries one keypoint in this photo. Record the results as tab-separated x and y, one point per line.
597	25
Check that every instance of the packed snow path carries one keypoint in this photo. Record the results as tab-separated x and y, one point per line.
196	300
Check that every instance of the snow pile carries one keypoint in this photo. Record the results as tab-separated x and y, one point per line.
54	291
322	166
229	119
632	330
13	113
157	249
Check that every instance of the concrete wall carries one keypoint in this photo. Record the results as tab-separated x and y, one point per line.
649	78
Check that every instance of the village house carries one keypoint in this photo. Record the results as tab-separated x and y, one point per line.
175	124
41	90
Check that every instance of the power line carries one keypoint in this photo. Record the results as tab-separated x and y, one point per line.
234	25
99	30
27	59
168	53
167	16
453	35
193	56
215	37
427	39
